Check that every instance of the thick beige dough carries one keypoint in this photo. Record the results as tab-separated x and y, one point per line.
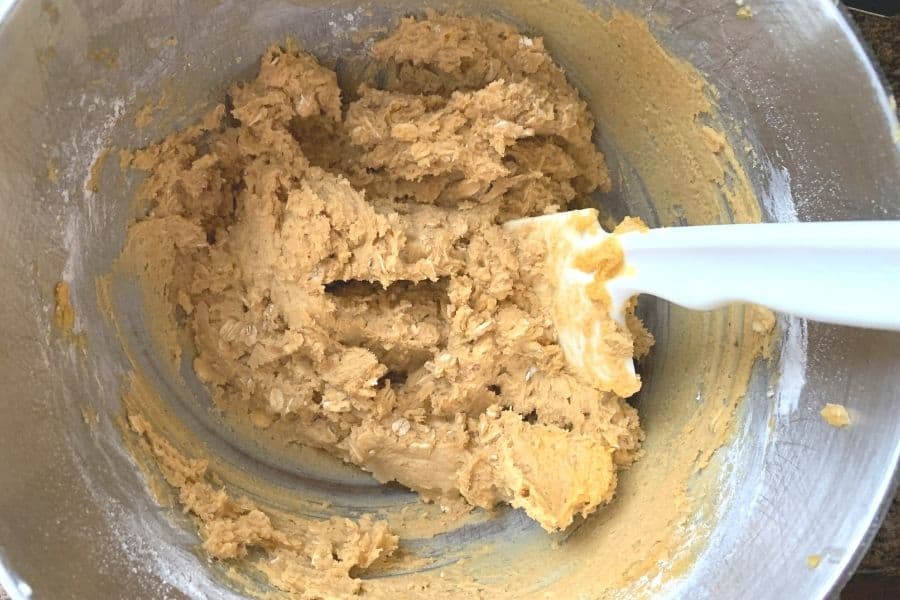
343	268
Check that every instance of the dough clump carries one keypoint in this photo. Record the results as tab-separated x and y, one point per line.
310	559
835	415
339	264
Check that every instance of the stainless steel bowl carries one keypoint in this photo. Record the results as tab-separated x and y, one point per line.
794	78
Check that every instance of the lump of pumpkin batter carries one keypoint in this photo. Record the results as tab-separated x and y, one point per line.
343	268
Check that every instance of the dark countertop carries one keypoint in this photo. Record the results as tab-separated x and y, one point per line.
878	576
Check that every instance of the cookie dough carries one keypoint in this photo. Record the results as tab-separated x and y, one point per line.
312	559
653	107
338	263
63	313
835	415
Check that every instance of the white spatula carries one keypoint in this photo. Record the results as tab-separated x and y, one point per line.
846	273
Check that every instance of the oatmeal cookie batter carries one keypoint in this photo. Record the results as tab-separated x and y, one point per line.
342	267
313	559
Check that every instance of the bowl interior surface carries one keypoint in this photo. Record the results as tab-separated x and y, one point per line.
812	128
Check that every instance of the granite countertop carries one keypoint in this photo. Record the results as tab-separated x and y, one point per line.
878	576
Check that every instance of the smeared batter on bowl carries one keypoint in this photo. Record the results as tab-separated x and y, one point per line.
310	558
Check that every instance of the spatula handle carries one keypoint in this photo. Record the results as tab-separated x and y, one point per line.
845	273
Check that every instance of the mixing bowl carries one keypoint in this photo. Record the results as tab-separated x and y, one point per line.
808	117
